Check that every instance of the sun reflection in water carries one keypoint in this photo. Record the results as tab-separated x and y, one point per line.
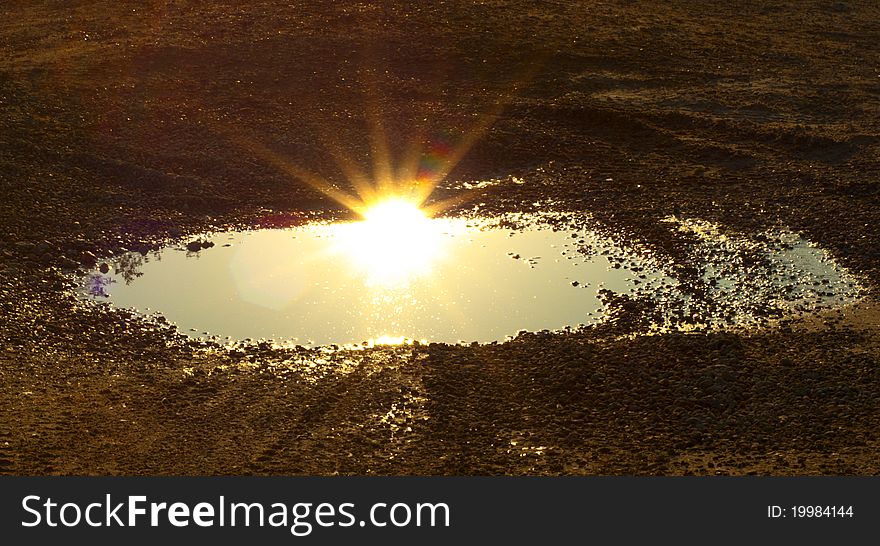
395	244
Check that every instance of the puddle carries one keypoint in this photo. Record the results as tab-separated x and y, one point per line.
446	280
744	279
459	280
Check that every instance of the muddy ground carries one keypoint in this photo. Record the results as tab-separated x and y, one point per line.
123	125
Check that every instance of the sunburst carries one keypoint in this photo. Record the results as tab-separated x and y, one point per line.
423	165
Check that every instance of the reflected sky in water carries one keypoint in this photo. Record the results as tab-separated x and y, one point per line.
445	280
400	276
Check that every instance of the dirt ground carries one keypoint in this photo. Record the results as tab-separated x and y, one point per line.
126	124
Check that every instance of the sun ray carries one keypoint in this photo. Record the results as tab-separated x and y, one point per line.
407	172
423	165
383	172
293	170
357	178
408	168
425	185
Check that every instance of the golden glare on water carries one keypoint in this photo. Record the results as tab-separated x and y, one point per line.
394	244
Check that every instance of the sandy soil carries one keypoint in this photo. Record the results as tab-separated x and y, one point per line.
126	124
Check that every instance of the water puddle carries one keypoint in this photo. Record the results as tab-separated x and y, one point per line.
447	280
743	280
456	280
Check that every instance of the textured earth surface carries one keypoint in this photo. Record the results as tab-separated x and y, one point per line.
124	125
